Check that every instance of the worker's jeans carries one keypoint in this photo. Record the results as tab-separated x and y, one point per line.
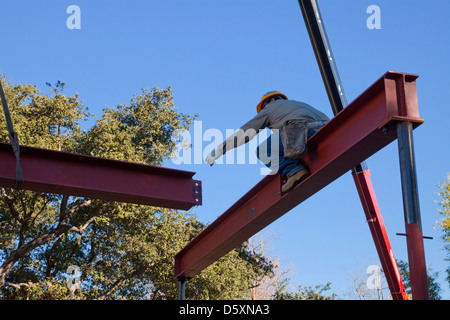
271	154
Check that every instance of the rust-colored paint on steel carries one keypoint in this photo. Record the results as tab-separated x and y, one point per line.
417	263
364	127
72	174
379	234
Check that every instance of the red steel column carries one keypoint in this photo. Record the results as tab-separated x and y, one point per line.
413	225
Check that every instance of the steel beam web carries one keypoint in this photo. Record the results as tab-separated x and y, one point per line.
51	171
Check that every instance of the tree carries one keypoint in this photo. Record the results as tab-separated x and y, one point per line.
304	292
365	289
265	285
121	251
445	212
434	288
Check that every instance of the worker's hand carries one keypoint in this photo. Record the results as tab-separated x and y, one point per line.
213	156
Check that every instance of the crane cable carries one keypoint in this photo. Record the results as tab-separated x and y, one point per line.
13	138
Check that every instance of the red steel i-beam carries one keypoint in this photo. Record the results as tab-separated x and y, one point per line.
72	174
364	127
379	234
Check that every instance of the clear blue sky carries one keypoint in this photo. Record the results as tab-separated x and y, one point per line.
220	57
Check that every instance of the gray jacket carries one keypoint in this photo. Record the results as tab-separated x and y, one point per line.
274	116
278	112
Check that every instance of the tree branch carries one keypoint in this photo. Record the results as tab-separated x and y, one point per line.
63	215
62	228
119	281
18	285
81	229
26	248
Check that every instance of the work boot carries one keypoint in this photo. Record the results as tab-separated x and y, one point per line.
294	180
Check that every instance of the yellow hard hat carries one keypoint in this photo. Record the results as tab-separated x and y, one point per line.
268	95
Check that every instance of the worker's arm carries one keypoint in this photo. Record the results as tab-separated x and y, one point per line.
241	136
235	140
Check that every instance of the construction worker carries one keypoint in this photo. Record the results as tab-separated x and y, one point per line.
292	123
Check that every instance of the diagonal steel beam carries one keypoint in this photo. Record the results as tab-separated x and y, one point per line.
379	234
366	126
72	174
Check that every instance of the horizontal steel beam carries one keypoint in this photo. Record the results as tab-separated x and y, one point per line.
72	174
364	127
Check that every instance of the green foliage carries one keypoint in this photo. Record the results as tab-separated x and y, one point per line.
44	121
434	288
123	251
303	293
139	132
241	279
445	212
